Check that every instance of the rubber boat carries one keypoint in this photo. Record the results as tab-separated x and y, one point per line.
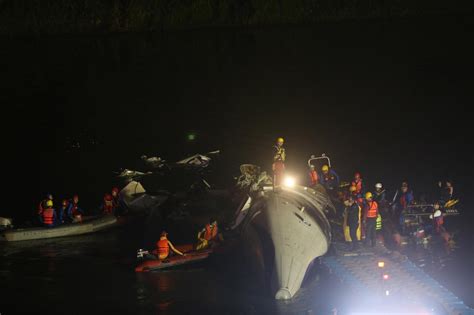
175	260
286	229
88	225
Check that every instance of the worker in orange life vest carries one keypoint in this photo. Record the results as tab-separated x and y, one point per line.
358	183
370	218
42	204
163	247
48	215
278	165
207	235
108	207
313	175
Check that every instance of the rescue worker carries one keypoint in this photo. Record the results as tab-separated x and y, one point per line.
48	215
448	194
358	183
358	198
42	204
278	165
108	205
313	175
379	194
370	217
406	197
115	196
74	210
62	212
163	247
352	210
118	209
439	190
329	178
208	235
437	217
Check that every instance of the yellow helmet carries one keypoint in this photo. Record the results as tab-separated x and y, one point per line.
49	203
368	195
352	188
280	140
325	168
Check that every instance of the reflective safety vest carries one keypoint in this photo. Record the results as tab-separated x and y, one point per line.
378	223
210	232
48	216
373	209
163	248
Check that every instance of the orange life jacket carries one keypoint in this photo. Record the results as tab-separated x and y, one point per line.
314	177
163	248
358	185
48	216
108	206
210	233
373	209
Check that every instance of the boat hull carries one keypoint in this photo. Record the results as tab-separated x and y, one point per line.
176	260
87	226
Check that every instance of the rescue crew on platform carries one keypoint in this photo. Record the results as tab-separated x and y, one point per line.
48	215
313	176
163	247
380	197
448	193
379	194
370	217
406	197
279	158
352	209
208	235
358	198
437	217
358	183
329	178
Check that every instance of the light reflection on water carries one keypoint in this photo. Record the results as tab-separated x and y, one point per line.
102	266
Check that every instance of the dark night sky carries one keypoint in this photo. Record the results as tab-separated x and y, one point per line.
390	100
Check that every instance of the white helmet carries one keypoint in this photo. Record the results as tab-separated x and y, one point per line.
378	185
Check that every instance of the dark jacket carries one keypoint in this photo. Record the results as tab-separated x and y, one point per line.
330	180
380	197
353	215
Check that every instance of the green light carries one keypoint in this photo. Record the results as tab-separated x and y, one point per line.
191	137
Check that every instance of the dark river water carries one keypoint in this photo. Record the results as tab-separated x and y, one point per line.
386	98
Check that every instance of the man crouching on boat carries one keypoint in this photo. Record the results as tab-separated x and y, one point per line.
163	247
208	235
